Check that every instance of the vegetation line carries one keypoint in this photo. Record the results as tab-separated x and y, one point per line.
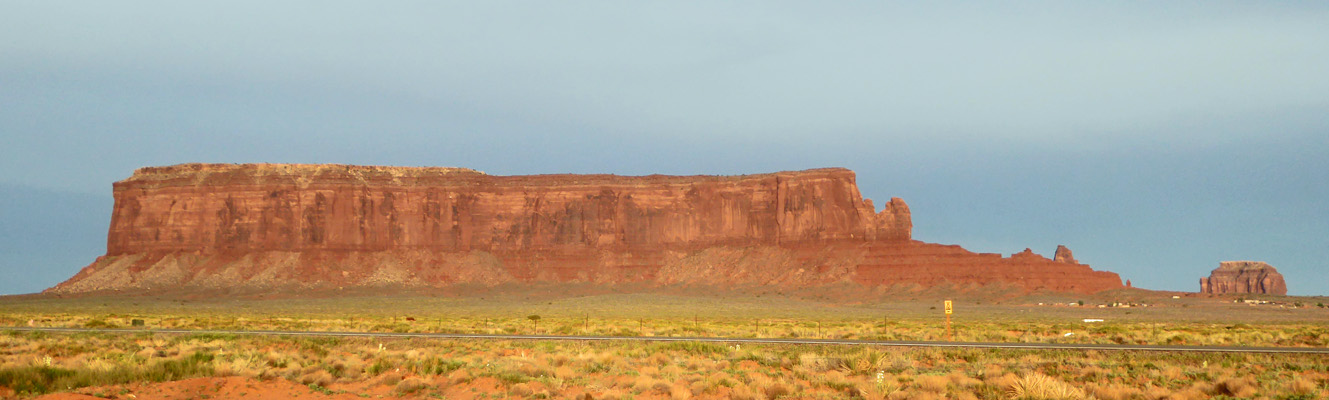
990	345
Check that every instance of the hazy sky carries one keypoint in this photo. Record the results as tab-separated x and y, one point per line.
1155	139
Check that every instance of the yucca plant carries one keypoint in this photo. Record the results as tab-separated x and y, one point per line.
1039	387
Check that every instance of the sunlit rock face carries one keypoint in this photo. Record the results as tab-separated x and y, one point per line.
214	208
287	226
1063	254
1244	277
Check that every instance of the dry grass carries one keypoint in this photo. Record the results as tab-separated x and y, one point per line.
1113	392
1038	386
317	377
771	388
1237	387
521	390
645	383
1304	387
682	370
680	391
1195	322
743	392
932	383
410	385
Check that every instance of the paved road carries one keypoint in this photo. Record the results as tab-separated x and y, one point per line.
842	342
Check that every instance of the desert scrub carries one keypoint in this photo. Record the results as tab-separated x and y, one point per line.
99	324
562	369
698	348
1039	386
41	379
1171	332
434	366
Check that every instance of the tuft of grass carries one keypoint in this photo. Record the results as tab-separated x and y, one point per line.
773	389
865	363
509	377
695	348
317	378
933	383
1237	387
459	376
564	372
1303	387
742	392
679	391
1037	386
435	366
820	363
380	366
100	324
644	383
197	364
410	385
1114	393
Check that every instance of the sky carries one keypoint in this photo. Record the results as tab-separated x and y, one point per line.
1155	139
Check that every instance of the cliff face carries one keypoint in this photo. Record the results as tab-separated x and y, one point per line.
274	225
217	208
1244	277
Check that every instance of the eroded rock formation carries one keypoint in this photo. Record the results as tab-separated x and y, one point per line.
1244	277
1063	254
334	226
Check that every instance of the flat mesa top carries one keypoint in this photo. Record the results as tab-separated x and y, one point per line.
1244	266
209	174
292	169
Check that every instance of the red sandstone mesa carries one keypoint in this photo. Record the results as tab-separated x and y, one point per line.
333	226
1244	277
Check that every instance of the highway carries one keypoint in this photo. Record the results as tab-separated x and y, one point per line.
827	342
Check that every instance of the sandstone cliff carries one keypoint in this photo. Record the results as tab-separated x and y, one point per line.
1244	277
333	226
1063	254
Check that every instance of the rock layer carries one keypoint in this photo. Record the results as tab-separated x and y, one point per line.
1254	277
324	226
248	208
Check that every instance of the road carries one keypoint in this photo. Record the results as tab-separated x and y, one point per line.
838	342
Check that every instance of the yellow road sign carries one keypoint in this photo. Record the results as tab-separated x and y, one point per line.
948	307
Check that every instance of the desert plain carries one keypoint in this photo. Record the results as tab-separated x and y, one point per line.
124	361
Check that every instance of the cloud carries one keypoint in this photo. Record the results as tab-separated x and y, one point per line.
788	71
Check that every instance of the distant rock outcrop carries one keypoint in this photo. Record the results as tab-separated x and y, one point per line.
1063	254
267	226
1244	277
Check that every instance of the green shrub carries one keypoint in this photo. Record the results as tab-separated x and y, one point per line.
700	348
509	377
33	379
197	364
99	324
36	380
436	366
380	366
